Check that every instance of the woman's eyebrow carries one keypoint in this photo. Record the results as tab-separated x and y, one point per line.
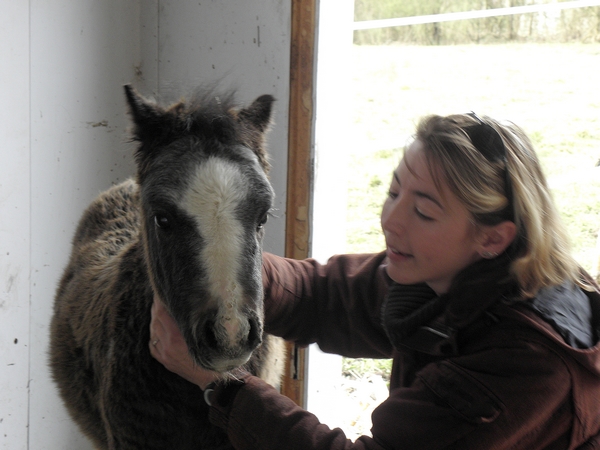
427	196
421	194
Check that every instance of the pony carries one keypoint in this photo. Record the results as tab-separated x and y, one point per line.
187	228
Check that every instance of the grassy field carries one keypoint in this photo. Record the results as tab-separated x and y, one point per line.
550	90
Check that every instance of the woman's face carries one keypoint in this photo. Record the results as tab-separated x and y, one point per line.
429	235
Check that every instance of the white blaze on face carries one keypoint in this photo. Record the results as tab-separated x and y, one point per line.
212	199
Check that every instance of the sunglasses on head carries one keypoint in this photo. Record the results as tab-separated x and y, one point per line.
489	143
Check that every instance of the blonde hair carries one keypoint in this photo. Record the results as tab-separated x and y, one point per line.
510	186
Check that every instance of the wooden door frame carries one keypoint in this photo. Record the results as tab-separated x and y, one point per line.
300	167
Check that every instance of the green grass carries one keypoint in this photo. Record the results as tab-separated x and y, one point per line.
547	89
550	90
358	367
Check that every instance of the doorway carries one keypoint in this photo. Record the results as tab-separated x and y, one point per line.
536	67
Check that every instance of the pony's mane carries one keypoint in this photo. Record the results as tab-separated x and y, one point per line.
208	114
206	104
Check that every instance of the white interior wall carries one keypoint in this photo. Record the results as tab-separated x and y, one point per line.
14	223
63	140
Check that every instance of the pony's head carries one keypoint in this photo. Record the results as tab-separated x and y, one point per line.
205	197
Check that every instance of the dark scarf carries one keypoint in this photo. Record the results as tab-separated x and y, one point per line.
476	288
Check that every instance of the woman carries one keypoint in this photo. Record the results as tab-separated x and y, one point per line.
493	328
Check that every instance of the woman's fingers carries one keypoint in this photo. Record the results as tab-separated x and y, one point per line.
168	347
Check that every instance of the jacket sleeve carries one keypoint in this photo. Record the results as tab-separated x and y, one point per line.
514	397
259	418
337	304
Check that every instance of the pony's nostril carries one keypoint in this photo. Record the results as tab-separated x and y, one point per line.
254	335
209	334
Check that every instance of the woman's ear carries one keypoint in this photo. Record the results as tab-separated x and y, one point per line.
495	239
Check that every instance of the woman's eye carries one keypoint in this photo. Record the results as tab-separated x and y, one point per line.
423	216
392	195
162	221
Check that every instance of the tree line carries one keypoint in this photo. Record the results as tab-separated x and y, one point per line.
568	25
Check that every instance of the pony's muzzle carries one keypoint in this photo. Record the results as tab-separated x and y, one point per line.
225	343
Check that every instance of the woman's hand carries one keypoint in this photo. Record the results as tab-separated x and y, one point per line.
168	347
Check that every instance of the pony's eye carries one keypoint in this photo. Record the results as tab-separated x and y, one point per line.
162	221
262	222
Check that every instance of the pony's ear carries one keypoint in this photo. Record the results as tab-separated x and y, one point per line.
146	116
258	114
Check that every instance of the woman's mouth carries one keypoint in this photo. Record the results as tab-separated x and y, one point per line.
396	254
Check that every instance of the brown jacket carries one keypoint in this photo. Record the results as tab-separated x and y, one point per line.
486	373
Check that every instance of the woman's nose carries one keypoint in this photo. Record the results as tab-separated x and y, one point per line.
393	215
